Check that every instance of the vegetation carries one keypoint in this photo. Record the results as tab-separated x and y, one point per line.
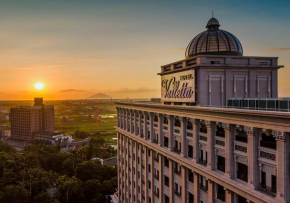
39	171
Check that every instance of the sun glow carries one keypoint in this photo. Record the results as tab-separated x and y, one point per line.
39	86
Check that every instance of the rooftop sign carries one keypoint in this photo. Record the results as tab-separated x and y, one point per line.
178	87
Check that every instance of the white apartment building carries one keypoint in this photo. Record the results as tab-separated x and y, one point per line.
218	134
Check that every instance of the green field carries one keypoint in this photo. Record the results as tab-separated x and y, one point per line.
77	112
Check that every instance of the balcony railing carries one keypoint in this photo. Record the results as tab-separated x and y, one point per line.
176	130
220	142
241	148
189	134
156	176
203	162
176	171
221	196
242	176
156	159
221	167
268	144
267	155
156	194
176	150
177	193
268	190
203	138
203	187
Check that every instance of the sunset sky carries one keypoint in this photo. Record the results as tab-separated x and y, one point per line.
80	48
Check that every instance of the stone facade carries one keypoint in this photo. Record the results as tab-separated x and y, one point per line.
196	154
219	78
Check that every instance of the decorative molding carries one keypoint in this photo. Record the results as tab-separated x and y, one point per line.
249	130
279	135
226	126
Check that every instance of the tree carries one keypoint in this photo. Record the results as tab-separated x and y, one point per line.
15	194
69	189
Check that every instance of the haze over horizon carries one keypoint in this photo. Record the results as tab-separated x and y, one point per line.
78	49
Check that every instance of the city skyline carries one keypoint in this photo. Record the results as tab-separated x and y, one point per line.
79	49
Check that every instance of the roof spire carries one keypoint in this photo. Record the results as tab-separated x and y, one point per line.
212	13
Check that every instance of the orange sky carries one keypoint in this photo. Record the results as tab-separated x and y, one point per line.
78	49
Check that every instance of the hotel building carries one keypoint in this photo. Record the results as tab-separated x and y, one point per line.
195	145
27	120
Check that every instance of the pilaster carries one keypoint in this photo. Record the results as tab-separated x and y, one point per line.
229	148
211	130
183	136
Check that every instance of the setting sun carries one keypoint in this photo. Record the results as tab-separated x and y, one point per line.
39	86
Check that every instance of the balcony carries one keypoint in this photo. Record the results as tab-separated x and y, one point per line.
156	159
203	162
189	134
156	176
176	150
267	155
221	167
242	176
267	144
268	190
156	194
203	187
202	138
176	171
176	130
241	148
221	196
177	193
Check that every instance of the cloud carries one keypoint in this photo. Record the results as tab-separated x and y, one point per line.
71	90
137	90
279	49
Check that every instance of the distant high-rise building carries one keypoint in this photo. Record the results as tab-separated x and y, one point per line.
217	134
26	120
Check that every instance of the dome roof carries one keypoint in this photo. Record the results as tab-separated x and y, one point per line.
214	41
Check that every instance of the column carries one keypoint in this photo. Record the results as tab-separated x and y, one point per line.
151	121
183	185
136	173
195	126
170	133
160	130
127	120
211	130
131	121
131	166
171	182
140	124
119	167
183	136
145	126
152	176
229	196
210	191
135	123
229	149
161	178
139	168
196	187
123	119
146	174
282	160
252	151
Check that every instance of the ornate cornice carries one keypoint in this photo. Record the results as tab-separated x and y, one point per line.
249	130
279	135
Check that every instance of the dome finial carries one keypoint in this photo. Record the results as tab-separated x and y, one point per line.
212	14
213	23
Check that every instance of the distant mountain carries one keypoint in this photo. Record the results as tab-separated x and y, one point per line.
100	96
